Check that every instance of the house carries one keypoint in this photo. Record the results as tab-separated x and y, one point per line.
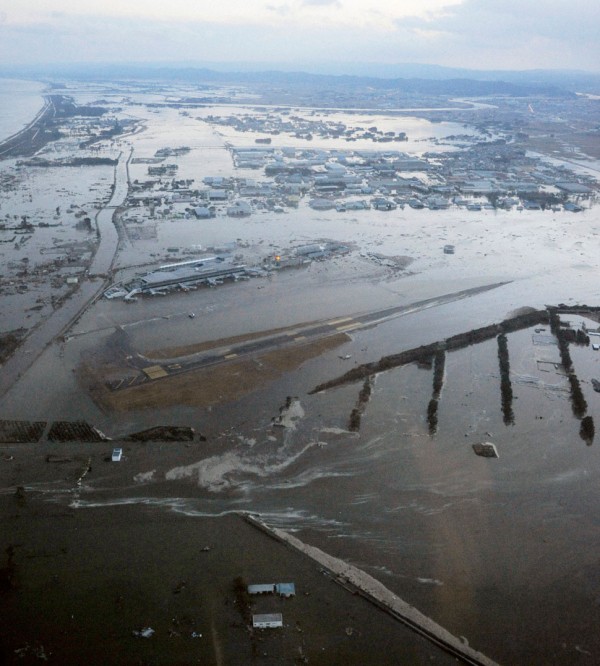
204	213
282	589
267	621
217	195
239	209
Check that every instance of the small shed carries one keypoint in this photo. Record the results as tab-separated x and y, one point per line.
285	589
267	621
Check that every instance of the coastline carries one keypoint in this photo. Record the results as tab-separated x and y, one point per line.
25	109
28	141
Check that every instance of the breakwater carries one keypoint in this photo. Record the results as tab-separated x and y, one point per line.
359	582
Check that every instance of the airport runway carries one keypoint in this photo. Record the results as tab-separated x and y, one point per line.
149	371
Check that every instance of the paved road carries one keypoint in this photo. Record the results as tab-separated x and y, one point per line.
149	370
60	320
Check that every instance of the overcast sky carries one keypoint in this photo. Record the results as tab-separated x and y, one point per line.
478	34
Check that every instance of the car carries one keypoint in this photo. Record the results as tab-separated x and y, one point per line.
117	454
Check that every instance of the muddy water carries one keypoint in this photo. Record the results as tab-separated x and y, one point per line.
501	551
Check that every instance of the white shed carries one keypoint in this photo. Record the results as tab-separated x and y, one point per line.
267	621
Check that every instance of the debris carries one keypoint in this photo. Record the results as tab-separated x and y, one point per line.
53	458
206	549
195	634
179	587
146	632
165	434
288	414
486	450
20	495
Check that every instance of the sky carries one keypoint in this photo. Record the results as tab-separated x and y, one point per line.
474	34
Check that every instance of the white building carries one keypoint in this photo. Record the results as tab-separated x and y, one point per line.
267	621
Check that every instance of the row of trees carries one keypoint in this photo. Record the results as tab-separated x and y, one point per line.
505	383
578	402
439	366
363	398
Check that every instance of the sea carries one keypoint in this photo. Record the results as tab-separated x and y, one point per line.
19	103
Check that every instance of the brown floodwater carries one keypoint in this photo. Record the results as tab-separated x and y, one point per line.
501	551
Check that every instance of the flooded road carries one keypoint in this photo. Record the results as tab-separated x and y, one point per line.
61	319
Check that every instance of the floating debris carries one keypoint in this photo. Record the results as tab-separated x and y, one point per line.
486	450
165	434
288	414
146	632
52	458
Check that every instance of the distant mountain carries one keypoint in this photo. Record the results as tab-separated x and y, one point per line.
408	78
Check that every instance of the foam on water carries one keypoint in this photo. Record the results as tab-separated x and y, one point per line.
219	472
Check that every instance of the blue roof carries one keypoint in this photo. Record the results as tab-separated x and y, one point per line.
286	589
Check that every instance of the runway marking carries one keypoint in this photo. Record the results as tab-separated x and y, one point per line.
349	327
333	322
155	372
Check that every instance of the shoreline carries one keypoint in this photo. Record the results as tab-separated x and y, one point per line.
10	147
12	131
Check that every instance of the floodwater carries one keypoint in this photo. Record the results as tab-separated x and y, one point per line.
502	551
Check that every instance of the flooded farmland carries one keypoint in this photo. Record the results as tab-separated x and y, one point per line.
502	551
